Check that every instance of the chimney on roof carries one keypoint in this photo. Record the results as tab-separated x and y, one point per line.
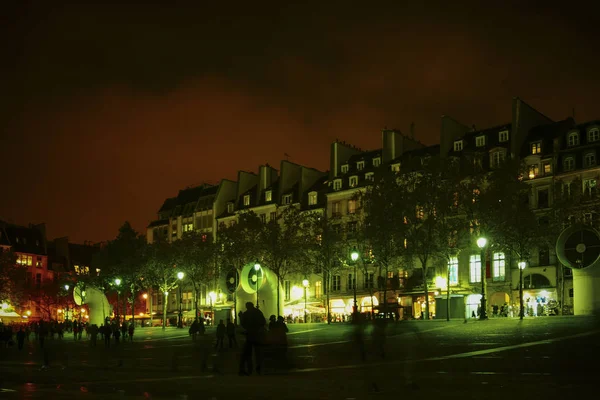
412	130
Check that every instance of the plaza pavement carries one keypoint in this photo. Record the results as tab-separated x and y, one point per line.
546	357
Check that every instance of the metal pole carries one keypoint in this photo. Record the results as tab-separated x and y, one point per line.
354	285
483	314
305	315
521	308
257	287
118	316
180	322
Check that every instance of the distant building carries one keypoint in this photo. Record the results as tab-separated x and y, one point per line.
30	247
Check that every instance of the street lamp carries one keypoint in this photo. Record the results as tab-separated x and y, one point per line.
522	265
118	283
354	257
67	307
481	243
180	276
257	270
305	284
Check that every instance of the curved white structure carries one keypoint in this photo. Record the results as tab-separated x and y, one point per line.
99	307
267	290
586	290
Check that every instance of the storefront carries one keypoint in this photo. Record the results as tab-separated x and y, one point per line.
539	302
473	304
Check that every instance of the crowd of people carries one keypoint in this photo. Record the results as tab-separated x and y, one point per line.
110	331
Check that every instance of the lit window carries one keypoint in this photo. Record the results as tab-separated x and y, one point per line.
351	206
589	160
458	145
569	164
353	181
503	136
312	198
497	158
589	186
480	141
247	200
336	209
229	207
370	176
376	162
396	167
360	165
573	139
337	184
287	199
344	168
547	168
453	270
475	269
536	148
268	195
593	135
534	170
499	267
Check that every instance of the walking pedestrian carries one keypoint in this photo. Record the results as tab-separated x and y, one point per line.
253	321
231	333
220	335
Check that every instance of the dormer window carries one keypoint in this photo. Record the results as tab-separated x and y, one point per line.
268	196
536	148
353	181
312	198
458	145
344	168
229	208
503	136
395	167
573	139
337	184
247	200
287	199
589	159
480	141
376	162
370	176
593	135
360	165
569	164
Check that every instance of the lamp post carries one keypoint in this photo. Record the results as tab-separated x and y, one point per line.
180	276
522	265
354	257
305	284
145	297
118	283
67	306
481	243
257	272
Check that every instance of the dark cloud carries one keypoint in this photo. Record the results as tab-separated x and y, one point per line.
108	110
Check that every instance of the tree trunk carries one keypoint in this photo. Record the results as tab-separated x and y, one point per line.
166	298
448	294
326	279
426	291
278	283
150	297
196	302
385	292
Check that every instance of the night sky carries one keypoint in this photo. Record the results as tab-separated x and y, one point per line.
106	111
